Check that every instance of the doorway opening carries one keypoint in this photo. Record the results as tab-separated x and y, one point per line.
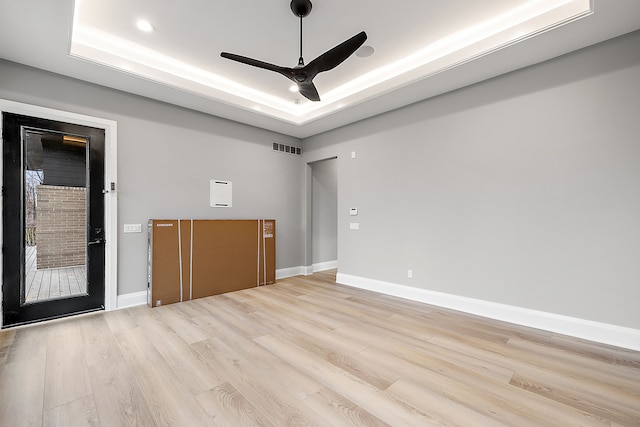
324	214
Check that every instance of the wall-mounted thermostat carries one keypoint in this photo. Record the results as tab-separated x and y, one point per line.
353	211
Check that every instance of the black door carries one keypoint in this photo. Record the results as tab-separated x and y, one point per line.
53	219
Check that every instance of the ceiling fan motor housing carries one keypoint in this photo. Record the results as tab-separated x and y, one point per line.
303	74
301	8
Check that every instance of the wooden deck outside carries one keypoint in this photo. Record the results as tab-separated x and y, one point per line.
52	283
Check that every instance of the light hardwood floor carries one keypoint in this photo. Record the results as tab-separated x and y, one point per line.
306	351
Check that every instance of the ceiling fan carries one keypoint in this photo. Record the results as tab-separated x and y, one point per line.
303	74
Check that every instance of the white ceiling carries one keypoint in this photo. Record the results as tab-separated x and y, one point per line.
422	48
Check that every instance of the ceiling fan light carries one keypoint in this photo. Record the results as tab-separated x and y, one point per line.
365	51
293	88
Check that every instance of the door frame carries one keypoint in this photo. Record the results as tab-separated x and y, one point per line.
110	176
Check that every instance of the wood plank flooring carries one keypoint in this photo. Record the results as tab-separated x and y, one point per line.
51	283
306	351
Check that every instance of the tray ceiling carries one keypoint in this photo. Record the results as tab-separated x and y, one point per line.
415	49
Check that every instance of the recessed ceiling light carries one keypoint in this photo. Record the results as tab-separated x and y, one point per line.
144	25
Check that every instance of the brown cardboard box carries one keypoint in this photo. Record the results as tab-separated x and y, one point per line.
196	258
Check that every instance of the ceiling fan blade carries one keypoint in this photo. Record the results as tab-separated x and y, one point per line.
254	62
334	57
309	91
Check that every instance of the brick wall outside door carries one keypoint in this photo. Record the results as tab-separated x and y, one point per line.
61	226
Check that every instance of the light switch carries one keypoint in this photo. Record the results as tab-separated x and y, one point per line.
133	228
354	226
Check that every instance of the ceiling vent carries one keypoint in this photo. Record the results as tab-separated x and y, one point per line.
289	149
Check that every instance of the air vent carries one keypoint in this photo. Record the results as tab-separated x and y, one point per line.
288	149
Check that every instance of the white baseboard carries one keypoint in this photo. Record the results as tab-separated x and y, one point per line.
132	299
322	266
290	272
618	336
303	270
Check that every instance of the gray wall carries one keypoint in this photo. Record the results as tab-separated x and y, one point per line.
166	157
324	219
522	190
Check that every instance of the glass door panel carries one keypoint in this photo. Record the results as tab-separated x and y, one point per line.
55	198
